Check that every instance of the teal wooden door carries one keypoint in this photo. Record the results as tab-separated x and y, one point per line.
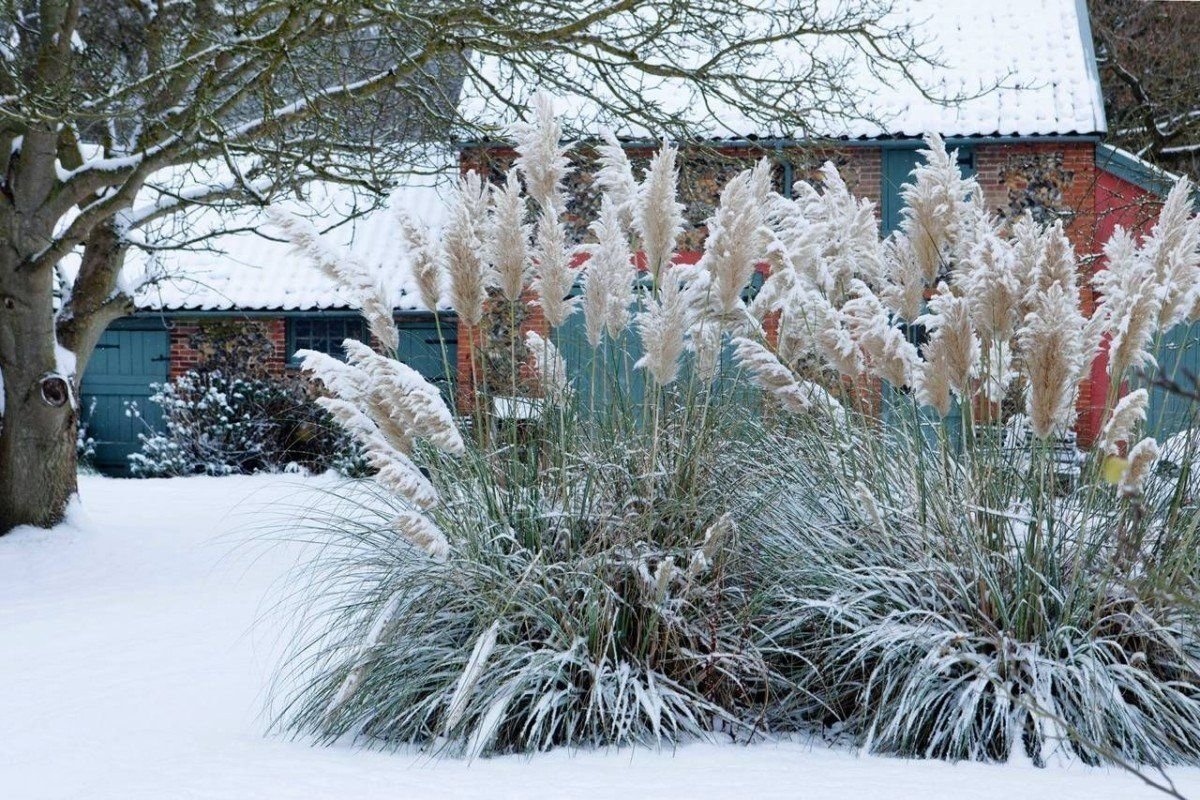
1178	355
421	349
608	373
128	358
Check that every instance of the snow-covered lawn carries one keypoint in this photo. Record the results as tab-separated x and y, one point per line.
134	664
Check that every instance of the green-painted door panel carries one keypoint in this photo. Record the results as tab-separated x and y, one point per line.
1178	356
126	362
610	372
420	348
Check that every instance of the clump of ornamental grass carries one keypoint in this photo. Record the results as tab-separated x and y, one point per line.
945	578
556	568
902	541
579	599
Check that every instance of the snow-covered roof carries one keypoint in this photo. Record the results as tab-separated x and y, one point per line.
1007	67
249	268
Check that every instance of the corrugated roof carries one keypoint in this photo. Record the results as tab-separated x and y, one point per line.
1020	67
248	269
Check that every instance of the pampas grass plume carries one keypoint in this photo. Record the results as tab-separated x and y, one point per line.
426	255
1129	411
659	217
509	238
463	241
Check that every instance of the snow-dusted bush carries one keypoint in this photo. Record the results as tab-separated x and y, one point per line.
948	587
558	579
937	577
218	425
576	598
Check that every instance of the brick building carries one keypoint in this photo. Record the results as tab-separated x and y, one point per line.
1033	139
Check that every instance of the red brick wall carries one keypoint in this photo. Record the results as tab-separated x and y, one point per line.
252	344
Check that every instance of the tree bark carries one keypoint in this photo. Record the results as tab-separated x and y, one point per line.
37	434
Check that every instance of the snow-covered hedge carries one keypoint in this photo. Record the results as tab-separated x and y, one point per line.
218	425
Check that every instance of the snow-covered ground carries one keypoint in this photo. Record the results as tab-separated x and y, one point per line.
134	664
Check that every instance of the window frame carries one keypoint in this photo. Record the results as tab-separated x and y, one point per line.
349	321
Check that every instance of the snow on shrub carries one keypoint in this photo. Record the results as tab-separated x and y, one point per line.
625	566
218	425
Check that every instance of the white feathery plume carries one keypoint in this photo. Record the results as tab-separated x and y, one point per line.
951	356
663	327
973	223
554	275
736	241
768	372
541	156
1053	353
886	351
827	236
904	282
395	471
509	238
385	405
1129	304
935	203
1142	458
550	367
993	287
1025	236
608	276
826	325
1129	411
615	177
1056	263
659	216
339	378
423	534
1173	251
366	292
426	254
407	398
771	295
463	241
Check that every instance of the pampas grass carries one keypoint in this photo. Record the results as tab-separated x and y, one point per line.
463	243
659	215
616	567
509	238
608	276
426	257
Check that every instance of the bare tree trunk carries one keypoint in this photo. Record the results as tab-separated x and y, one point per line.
37	436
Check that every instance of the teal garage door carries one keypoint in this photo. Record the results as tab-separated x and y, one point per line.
130	356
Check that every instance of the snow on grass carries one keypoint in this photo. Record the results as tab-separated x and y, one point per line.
134	663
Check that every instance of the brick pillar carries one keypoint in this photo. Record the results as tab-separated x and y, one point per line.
183	356
472	338
277	332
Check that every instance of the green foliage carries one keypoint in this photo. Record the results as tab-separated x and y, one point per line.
594	547
973	602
